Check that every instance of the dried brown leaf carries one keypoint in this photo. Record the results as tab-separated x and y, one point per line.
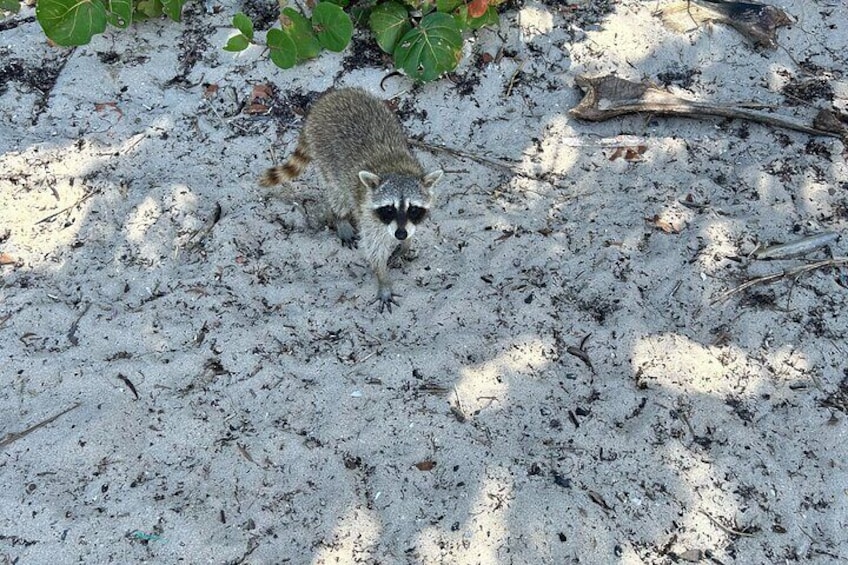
104	106
262	91
633	153
664	225
426	465
256	108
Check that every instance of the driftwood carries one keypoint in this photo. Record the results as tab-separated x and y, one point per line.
796	248
757	22
610	96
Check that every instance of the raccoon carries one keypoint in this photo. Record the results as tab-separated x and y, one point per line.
375	189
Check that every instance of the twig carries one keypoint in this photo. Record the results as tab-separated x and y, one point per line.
135	140
788	273
15	436
458	411
513	79
72	206
201	234
124	379
730	531
72	333
580	353
682	415
494	163
366	358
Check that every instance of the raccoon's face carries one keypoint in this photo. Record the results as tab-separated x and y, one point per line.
401	216
400	203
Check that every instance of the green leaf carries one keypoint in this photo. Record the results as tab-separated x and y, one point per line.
119	13
342	3
283	51
299	30
332	25
71	22
174	8
237	42
448	6
431	49
389	22
425	6
9	6
244	25
148	8
359	14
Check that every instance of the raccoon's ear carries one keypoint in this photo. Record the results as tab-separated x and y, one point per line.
432	178
369	179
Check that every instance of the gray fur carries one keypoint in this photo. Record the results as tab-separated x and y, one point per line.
363	158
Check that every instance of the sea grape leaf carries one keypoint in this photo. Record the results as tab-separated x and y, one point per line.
9	7
244	25
71	22
448	6
431	49
237	42
148	8
389	22
283	51
119	13
332	26
299	30
173	8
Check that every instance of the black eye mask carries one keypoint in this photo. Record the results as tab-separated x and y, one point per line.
389	214
386	214
416	214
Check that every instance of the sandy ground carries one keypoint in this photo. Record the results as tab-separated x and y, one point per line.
559	383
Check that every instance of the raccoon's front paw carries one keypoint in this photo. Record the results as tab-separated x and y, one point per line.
385	299
349	242
346	234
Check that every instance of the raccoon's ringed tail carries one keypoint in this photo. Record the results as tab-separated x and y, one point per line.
287	171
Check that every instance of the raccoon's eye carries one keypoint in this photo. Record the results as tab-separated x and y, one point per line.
386	214
416	214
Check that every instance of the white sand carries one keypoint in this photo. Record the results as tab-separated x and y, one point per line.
280	418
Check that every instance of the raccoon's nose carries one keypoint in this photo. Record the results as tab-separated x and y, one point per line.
401	234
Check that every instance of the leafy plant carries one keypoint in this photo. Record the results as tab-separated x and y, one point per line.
9	7
75	22
424	37
428	46
298	38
